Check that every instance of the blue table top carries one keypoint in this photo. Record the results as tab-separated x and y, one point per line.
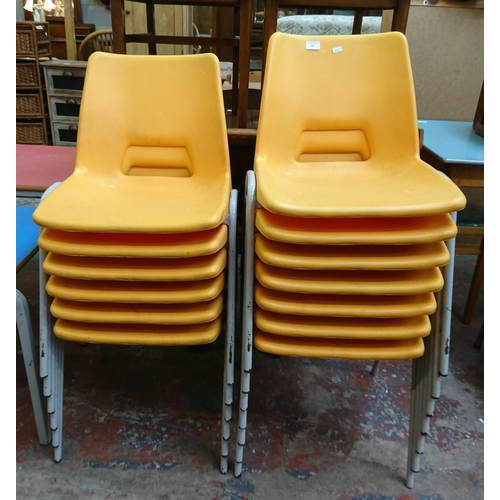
27	232
453	141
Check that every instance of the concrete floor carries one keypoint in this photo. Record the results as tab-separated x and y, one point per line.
143	423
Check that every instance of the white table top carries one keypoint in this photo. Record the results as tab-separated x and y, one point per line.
453	141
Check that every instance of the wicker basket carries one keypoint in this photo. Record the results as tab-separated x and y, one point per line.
31	133
27	75
29	105
32	39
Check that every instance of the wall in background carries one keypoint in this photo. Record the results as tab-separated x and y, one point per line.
446	48
447	55
95	12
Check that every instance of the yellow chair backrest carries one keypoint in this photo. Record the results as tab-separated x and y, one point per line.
141	114
337	98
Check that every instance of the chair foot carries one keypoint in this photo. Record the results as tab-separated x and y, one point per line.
479	339
375	366
410	480
57	454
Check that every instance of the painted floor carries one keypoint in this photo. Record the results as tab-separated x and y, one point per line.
144	423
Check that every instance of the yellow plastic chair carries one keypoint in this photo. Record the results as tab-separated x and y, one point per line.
374	257
156	314
349	238
117	268
138	245
349	282
338	348
126	334
127	245
151	292
143	150
360	306
341	327
359	130
354	231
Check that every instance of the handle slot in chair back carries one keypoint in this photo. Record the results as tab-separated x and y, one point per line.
162	161
332	145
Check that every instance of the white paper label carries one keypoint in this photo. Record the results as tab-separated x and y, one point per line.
312	45
336	49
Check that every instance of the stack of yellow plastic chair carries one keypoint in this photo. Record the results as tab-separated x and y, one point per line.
138	244
345	225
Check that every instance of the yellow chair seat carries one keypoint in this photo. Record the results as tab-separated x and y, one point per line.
153	292
355	189
354	231
137	204
137	313
133	245
158	161
129	334
349	282
351	257
330	144
109	268
338	348
347	328
360	306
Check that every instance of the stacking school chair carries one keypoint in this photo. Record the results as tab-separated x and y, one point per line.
137	246
349	235
26	248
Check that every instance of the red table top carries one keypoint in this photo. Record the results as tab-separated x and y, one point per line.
38	167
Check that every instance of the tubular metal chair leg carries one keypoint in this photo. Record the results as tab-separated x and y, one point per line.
59	376
435	378
417	417
45	337
247	334
447	301
51	359
26	338
53	363
375	366
423	420
230	328
432	377
480	338
45	324
429	369
410	479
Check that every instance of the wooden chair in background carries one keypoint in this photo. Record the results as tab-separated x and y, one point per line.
394	14
100	40
470	241
239	41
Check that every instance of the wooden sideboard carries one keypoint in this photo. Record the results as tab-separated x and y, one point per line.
57	33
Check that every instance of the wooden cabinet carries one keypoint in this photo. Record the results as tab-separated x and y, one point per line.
57	33
32	45
64	84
